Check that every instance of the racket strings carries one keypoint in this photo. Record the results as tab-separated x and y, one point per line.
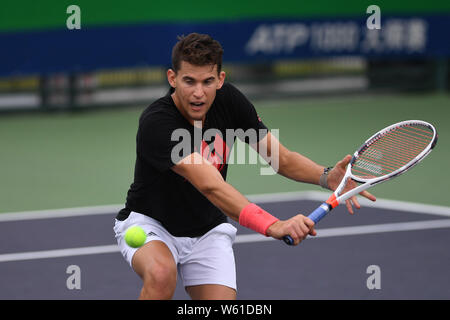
392	150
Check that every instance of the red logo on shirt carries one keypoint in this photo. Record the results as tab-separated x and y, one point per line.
216	152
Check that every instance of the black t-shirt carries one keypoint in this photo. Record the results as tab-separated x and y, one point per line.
164	137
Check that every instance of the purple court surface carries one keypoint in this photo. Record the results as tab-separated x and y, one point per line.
381	252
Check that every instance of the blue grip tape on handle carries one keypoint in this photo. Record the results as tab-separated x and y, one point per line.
315	216
320	212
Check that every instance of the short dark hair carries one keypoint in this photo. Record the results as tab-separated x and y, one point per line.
197	49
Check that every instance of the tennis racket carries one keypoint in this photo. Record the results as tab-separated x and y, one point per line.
385	155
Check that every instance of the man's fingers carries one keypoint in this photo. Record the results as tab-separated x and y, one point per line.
368	195
355	202
344	162
349	206
309	225
300	228
293	229
309	222
305	230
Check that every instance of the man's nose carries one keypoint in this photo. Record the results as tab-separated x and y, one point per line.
199	92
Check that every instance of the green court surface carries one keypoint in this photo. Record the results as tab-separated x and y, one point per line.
58	160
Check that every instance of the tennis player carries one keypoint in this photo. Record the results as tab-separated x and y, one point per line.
180	196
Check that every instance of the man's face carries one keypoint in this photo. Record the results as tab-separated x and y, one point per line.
195	89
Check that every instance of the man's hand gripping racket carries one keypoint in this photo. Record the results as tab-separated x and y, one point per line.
385	155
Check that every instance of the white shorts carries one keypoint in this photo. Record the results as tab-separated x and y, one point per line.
208	259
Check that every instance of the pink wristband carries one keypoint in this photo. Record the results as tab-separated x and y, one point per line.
255	218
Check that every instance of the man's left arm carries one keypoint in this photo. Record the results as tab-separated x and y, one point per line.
288	163
297	167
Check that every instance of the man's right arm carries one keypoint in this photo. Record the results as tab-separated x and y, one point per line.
208	180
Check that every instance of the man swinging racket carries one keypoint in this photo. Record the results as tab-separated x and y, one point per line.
180	196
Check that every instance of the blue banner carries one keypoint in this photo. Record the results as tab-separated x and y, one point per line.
90	49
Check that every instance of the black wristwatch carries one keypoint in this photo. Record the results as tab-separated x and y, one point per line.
323	181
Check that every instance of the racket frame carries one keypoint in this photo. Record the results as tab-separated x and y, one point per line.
367	183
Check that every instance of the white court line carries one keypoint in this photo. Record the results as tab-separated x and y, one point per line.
380	203
59	213
258	198
246	238
60	253
358	230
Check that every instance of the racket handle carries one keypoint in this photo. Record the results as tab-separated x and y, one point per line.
320	212
315	216
288	240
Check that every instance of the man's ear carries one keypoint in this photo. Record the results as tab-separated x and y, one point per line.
171	75
221	79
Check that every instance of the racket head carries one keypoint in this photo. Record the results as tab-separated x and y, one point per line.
392	151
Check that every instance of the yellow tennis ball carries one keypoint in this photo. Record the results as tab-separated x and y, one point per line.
135	236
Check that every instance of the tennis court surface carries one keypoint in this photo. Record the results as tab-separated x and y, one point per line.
387	250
